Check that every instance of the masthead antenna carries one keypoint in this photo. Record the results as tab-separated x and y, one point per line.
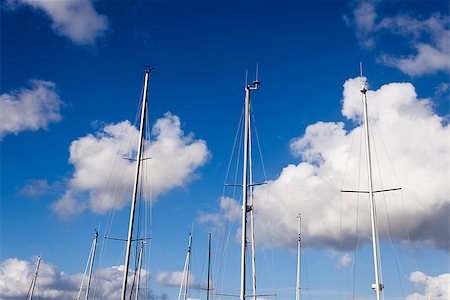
256	82
363	81
246	77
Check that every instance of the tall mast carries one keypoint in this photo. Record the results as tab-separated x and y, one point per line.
299	244
138	277
209	266
33	282
378	286
186	271
245	185
188	267
252	215
91	267
136	182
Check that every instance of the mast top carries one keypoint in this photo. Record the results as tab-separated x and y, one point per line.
363	80
148	68
255	83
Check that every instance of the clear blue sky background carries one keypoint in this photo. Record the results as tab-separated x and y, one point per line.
306	50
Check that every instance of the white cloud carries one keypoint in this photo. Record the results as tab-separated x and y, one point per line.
417	142
229	210
364	17
103	179
169	278
76	19
36	188
344	261
436	288
16	276
29	109
428	39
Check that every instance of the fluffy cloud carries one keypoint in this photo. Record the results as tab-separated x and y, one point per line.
36	188
428	39
103	178
16	276
170	278
75	19
29	109
229	210
417	142
436	288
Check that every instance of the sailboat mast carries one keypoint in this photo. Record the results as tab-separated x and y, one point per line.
33	282
188	269
91	267
299	244
378	286
138	277
136	182
209	266
245	185
252	215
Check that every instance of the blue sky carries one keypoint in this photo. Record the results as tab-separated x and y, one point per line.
72	74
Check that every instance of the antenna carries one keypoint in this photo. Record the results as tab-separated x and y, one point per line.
246	77
256	82
148	68
363	81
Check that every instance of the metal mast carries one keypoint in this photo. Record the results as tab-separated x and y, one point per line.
33	282
299	244
245	208
188	258
136	182
209	266
378	286
138	277
252	215
91	267
186	270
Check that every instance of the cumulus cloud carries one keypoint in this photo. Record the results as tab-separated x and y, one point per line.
428	39
103	178
75	19
16	276
229	210
29	109
169	278
409	144
36	188
436	288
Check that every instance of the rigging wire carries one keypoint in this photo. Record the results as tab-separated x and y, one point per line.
401	191
353	134
228	219
357	233
117	195
389	227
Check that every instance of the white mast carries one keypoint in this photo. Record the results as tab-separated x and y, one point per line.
136	182
252	215
91	267
297	294
378	286
188	267
245	208
33	281
209	266
186	271
138	277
